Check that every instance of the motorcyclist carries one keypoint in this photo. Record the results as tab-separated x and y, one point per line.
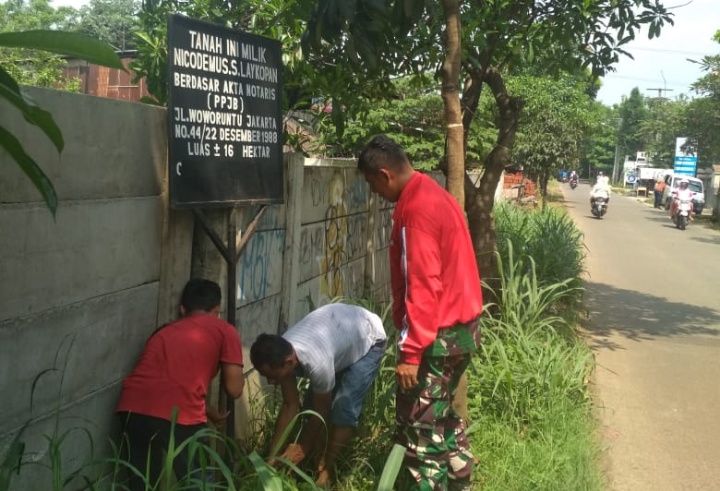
573	175
602	178
682	192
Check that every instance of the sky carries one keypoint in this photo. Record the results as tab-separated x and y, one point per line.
660	63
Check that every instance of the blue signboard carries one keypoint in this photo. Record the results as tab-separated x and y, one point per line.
686	166
685	163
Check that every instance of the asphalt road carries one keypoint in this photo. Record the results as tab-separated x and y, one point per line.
653	293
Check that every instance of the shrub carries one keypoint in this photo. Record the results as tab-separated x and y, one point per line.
549	237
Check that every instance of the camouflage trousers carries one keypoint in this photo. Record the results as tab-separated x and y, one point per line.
438	454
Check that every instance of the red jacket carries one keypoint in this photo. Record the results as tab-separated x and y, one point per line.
434	274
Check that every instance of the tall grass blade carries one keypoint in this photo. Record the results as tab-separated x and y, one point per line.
12	460
269	479
392	468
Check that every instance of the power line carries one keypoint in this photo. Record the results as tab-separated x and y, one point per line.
673	51
612	75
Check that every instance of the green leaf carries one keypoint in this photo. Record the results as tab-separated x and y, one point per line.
268	478
392	468
64	43
10	91
30	168
12	459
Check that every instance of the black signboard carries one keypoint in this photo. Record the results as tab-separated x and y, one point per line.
224	116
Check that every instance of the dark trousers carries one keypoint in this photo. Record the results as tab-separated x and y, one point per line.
146	439
658	198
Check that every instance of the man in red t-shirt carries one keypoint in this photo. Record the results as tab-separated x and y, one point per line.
174	372
436	304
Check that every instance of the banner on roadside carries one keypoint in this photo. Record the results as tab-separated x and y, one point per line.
685	161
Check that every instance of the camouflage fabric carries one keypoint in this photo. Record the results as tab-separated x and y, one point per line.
438	453
455	340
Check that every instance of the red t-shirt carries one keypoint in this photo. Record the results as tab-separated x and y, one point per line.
434	274
176	367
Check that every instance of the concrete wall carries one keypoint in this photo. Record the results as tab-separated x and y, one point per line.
80	294
329	240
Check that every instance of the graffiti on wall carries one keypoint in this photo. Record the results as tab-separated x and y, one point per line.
311	293
312	246
383	229
257	317
356	194
260	267
336	227
357	230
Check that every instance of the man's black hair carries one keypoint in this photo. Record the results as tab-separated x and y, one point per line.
382	152
203	295
271	350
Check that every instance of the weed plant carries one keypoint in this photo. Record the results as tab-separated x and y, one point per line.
549	237
531	426
371	463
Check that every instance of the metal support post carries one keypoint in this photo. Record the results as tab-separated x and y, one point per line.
231	254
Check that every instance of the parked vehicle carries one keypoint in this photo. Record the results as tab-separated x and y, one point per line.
682	217
695	185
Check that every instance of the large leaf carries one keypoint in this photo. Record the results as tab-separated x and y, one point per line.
392	468
269	479
30	168
10	91
64	43
12	459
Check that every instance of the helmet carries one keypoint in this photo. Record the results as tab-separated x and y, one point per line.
600	173
684	181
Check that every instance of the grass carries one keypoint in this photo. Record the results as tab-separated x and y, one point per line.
563	458
532	415
549	237
554	192
531	423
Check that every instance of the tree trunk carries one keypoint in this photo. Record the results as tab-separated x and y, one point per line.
471	100
480	202
455	149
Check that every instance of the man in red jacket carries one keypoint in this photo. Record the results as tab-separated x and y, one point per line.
436	304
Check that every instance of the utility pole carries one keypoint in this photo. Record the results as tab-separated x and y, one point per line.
660	92
616	163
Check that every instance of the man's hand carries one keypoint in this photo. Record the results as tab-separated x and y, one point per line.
295	453
406	375
323	478
218	419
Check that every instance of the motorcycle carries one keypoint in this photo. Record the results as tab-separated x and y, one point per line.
681	217
573	183
599	206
